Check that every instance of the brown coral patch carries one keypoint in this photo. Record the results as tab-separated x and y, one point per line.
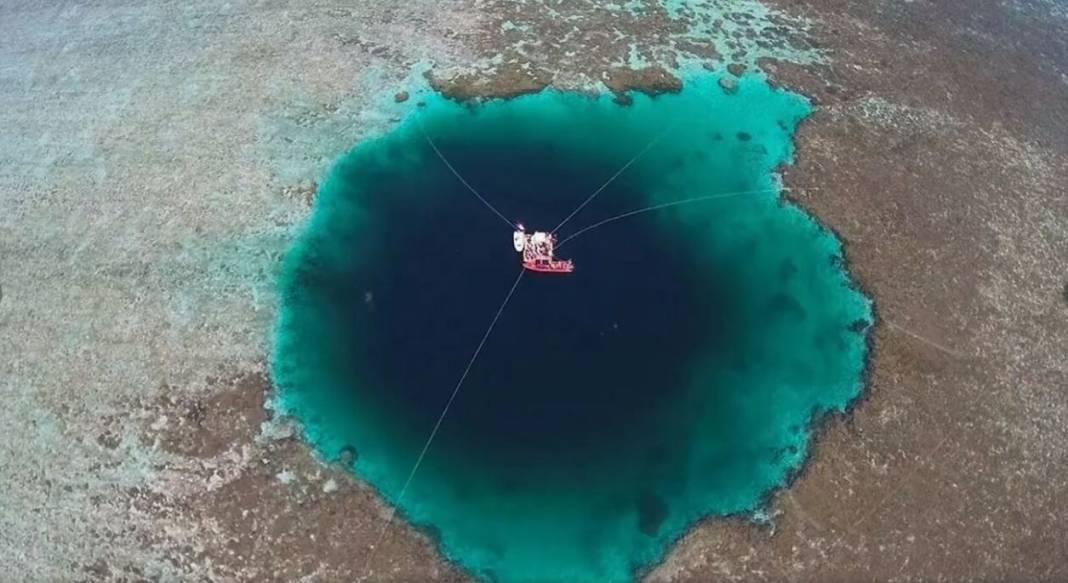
205	426
648	80
509	81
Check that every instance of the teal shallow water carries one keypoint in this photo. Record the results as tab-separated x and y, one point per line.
675	375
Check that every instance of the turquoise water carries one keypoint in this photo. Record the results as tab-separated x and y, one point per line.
675	375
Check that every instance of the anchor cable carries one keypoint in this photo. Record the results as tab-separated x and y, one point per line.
461	178
637	156
658	207
441	418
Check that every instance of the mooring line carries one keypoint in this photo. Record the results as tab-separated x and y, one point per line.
590	198
926	341
461	178
901	484
927	454
437	425
663	206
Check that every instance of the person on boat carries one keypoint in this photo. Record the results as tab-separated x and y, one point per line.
537	250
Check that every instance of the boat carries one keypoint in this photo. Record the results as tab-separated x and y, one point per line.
537	251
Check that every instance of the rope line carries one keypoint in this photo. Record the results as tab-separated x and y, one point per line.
590	198
461	178
928	454
441	418
661	206
901	484
927	341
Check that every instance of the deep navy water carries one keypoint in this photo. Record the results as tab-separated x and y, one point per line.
674	375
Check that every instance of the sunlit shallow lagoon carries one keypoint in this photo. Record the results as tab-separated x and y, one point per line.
675	375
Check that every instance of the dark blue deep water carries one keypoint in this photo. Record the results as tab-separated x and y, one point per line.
674	375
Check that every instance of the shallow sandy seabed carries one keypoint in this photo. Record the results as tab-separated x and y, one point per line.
156	162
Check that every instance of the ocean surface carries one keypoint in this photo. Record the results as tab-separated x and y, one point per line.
675	375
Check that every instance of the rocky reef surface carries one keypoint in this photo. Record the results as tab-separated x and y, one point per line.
156	161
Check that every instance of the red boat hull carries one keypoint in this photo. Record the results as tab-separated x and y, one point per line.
537	252
549	266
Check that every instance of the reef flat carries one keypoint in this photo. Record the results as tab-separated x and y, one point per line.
159	159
